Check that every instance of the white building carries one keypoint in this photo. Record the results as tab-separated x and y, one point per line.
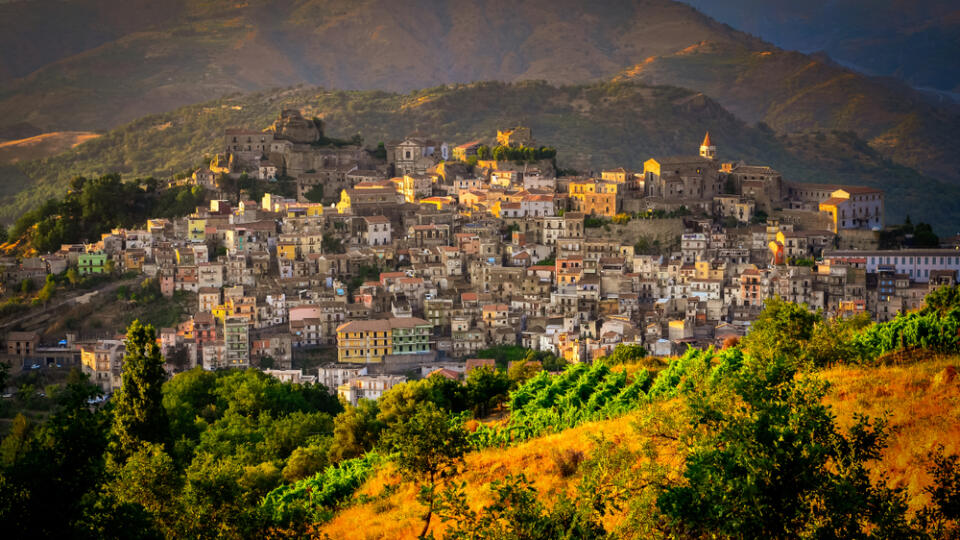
916	263
378	231
368	387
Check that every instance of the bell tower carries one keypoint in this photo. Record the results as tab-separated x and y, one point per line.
707	149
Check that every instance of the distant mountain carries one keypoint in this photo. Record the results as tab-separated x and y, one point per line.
917	41
793	92
592	126
126	65
202	50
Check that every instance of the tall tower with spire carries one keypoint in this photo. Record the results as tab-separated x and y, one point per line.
707	149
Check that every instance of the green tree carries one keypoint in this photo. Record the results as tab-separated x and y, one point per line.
150	479
626	354
331	244
355	431
446	393
427	445
46	292
401	402
315	194
59	462
923	236
941	518
73	277
306	461
486	388
766	459
942	300
17	440
517	511
522	370
139	416
782	329
4	375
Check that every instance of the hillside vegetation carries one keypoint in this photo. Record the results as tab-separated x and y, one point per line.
806	428
592	126
143	60
793	92
41	146
922	405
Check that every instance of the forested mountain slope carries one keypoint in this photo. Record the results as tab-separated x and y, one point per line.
594	126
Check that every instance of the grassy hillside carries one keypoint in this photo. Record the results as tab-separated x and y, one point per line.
592	126
923	405
41	146
134	65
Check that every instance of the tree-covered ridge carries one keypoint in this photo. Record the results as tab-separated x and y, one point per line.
593	126
97	205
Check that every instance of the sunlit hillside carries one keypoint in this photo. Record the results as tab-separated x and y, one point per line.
921	402
41	146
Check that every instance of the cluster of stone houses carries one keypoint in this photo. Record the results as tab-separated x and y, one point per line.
431	255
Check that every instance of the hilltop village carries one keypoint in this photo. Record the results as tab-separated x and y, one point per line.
414	257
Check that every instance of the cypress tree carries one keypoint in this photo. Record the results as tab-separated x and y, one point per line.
139	416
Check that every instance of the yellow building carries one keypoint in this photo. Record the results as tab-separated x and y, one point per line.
370	341
343	205
569	350
287	251
619	175
196	229
466	150
594	198
413	187
305	209
440	203
364	341
367	195
705	270
244	307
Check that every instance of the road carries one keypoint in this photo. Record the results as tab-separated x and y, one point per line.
69	300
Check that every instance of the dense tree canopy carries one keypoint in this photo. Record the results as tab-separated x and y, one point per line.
94	206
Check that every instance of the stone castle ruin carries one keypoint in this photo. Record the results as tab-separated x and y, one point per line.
294	145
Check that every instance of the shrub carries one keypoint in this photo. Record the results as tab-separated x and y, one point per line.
566	461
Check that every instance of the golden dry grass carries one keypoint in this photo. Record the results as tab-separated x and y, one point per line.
400	516
922	408
41	146
924	411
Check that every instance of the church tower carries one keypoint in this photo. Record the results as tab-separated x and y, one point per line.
707	149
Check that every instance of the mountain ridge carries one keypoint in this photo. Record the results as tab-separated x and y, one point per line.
200	51
593	127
